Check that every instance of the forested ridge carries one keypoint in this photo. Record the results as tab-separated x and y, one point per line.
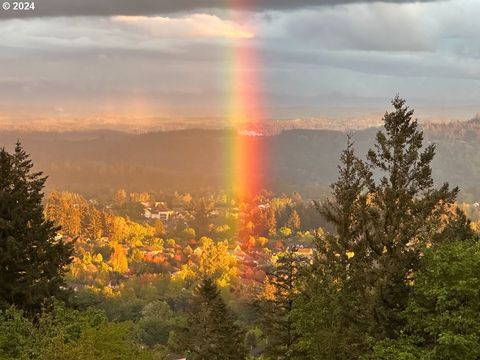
298	160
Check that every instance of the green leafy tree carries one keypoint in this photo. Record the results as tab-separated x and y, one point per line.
157	322
32	257
211	332
65	334
129	209
442	319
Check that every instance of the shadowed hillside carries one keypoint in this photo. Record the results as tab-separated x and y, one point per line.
98	161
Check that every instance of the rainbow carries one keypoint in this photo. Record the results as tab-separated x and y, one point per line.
247	155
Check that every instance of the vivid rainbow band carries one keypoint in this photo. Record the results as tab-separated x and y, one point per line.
247	149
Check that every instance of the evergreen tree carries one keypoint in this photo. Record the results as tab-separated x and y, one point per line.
32	258
268	224
276	303
404	212
294	221
327	313
342	208
458	228
211	332
93	227
384	211
201	210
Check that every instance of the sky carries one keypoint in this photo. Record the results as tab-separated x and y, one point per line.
182	59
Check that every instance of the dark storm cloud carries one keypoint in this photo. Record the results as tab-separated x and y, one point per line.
152	7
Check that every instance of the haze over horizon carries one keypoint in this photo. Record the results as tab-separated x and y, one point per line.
161	61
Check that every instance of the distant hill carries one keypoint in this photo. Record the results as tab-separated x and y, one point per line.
154	124
94	162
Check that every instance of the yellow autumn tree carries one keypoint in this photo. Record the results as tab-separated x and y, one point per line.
118	260
215	261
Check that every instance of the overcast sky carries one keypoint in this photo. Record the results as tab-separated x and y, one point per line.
176	58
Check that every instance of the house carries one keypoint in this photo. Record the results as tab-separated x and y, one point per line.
159	211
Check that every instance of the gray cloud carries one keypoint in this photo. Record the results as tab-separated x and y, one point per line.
374	27
151	7
308	60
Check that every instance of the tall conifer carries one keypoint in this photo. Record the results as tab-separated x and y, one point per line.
276	304
211	332
385	210
32	258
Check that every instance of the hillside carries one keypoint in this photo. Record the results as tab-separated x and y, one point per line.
305	160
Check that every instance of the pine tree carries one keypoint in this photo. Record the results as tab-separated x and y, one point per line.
32	258
211	332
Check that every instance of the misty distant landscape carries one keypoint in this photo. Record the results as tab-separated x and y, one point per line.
305	160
